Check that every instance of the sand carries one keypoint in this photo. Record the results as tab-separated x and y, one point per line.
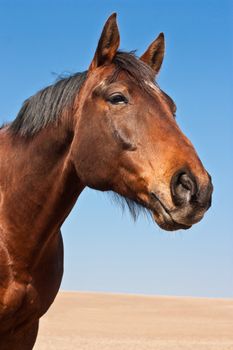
98	321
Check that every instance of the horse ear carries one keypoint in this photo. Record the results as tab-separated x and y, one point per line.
108	43
153	56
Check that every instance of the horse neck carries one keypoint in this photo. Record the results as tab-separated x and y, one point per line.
41	187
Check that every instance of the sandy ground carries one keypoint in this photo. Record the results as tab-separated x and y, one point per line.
98	321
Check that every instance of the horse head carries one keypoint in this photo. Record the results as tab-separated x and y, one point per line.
127	139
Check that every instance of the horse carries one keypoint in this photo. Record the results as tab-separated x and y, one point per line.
110	128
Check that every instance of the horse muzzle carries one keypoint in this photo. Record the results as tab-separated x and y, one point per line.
191	198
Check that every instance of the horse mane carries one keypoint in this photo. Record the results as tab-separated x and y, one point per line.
46	106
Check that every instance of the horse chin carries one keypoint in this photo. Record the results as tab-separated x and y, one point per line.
170	225
164	219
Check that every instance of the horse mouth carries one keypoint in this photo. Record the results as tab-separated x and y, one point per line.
163	217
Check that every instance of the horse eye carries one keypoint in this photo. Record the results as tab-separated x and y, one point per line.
117	99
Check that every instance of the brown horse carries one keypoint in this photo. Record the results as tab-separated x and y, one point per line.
111	128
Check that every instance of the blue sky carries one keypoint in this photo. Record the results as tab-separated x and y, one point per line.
105	250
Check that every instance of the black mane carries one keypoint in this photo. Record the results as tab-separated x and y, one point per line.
47	105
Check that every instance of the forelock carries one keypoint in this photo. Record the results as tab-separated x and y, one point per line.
137	70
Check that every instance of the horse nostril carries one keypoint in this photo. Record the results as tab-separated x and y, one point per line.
187	183
183	188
